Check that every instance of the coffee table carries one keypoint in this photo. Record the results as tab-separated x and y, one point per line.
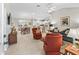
71	50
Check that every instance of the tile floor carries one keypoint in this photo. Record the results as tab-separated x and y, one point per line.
26	45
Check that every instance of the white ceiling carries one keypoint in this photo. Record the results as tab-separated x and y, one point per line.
28	7
23	9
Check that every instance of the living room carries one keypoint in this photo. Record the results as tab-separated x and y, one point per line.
23	18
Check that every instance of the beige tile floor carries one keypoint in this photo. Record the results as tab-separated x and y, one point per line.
26	45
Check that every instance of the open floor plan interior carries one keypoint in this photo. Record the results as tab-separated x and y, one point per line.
40	29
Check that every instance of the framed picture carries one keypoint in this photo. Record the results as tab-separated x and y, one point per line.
65	21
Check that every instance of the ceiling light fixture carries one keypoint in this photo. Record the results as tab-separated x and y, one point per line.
52	9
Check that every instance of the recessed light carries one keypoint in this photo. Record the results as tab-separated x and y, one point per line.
38	5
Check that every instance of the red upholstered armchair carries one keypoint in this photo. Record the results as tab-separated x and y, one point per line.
52	44
36	35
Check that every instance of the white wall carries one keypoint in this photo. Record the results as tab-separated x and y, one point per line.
1	31
6	28
72	12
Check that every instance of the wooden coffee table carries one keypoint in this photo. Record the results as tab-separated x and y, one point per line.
71	50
